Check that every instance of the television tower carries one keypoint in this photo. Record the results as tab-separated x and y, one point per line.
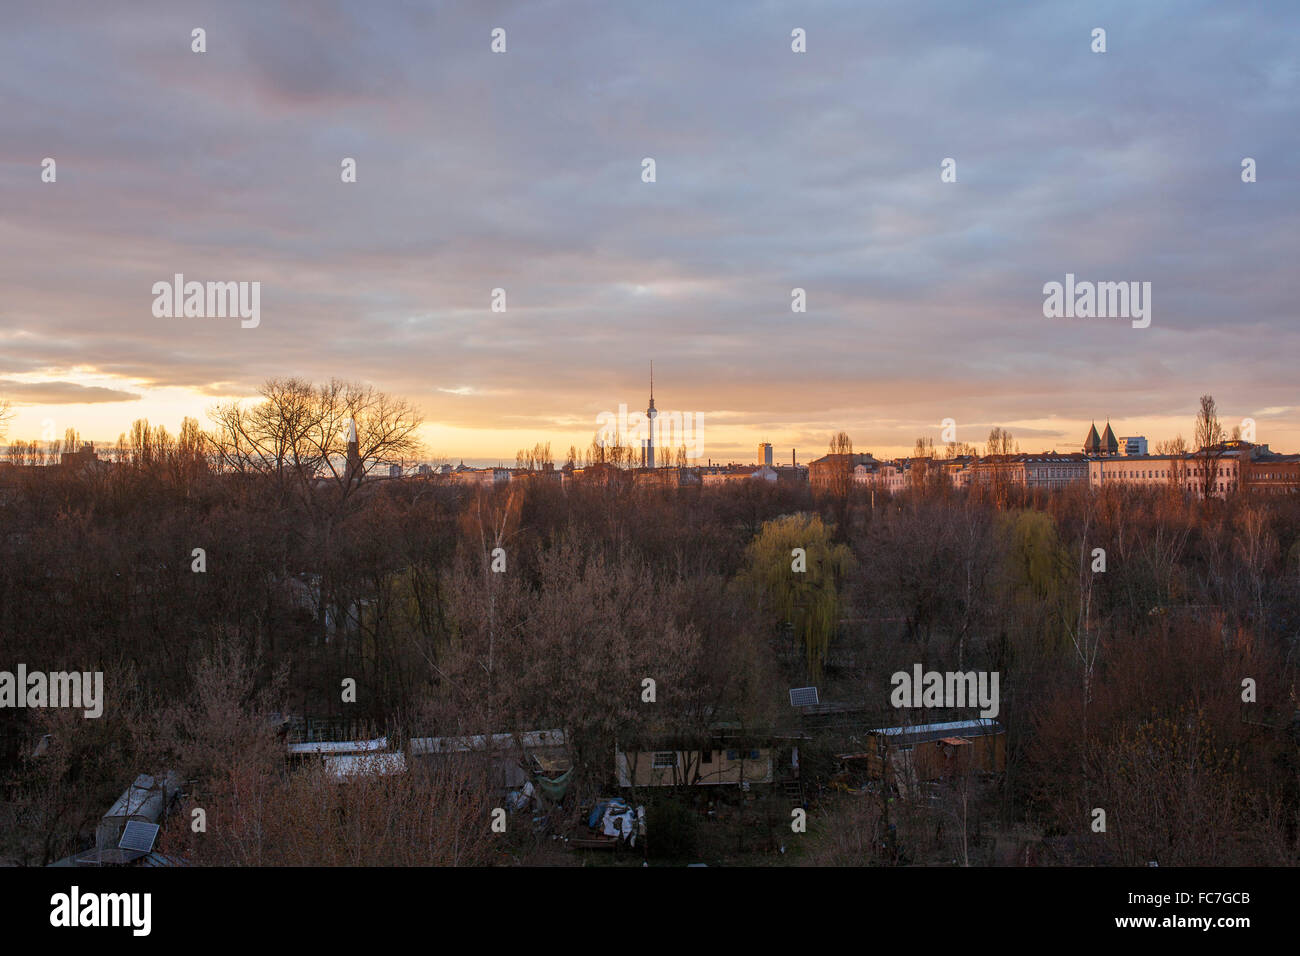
651	414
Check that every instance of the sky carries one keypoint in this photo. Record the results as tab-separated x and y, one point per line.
774	170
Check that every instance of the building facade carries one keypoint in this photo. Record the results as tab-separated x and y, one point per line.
1271	474
1044	470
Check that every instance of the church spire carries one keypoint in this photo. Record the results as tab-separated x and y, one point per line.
353	452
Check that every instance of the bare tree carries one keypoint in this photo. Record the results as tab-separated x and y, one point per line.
609	450
27	453
841	465
535	458
497	523
1176	448
298	434
1209	445
1001	443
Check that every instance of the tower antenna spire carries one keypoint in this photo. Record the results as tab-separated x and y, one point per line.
651	414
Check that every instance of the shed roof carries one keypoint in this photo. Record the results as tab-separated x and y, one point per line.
529	739
146	797
339	746
923	733
344	766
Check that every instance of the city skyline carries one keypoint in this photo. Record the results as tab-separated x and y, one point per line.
739	454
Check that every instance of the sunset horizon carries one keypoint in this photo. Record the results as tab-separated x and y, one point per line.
454	443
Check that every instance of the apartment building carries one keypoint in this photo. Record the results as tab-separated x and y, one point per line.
1042	470
1269	473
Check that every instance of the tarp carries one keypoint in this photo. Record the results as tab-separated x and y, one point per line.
598	812
617	818
619	822
552	766
518	799
554	788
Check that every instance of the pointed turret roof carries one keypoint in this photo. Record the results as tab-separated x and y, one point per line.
1110	444
1092	444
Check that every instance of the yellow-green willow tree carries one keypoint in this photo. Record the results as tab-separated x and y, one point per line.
1038	576
800	590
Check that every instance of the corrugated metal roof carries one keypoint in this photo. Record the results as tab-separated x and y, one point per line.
340	746
142	798
923	733
948	725
528	739
353	765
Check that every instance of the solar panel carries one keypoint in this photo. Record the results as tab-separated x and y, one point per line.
138	836
803	696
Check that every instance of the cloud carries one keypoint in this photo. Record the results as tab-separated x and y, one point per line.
775	170
61	393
